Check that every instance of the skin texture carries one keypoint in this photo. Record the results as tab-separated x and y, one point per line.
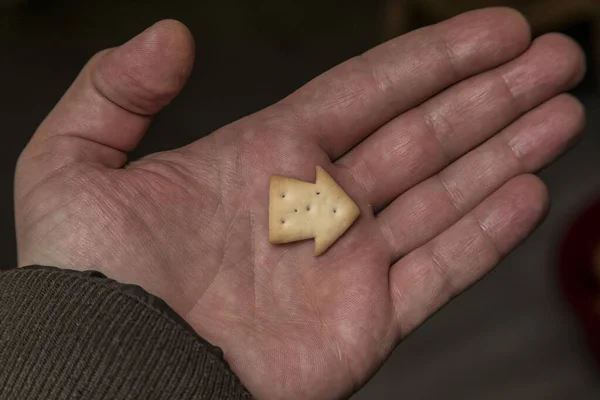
434	134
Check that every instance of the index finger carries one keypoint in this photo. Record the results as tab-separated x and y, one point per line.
346	104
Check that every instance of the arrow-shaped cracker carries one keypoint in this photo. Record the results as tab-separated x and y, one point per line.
301	210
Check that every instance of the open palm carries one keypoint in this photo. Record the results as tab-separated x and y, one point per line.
433	134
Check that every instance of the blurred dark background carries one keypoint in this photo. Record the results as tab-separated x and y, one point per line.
513	336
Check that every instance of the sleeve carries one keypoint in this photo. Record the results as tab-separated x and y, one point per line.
79	335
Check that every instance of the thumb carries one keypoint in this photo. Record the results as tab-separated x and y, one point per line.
107	110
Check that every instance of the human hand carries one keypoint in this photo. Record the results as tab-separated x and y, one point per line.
433	134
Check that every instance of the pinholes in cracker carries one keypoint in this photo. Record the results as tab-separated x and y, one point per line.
301	210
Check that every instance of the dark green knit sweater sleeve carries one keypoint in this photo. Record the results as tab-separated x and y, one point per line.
78	335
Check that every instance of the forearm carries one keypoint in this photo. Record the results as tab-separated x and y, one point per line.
66	334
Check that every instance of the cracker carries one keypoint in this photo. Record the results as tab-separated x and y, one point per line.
301	210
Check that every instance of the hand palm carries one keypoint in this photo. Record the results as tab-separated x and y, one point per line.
190	225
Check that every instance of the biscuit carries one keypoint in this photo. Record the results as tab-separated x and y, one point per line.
301	210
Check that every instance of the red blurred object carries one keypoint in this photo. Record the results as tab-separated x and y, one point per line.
580	272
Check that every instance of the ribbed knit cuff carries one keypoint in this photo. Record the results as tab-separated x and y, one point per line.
78	335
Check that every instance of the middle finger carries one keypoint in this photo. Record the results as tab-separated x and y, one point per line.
420	142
